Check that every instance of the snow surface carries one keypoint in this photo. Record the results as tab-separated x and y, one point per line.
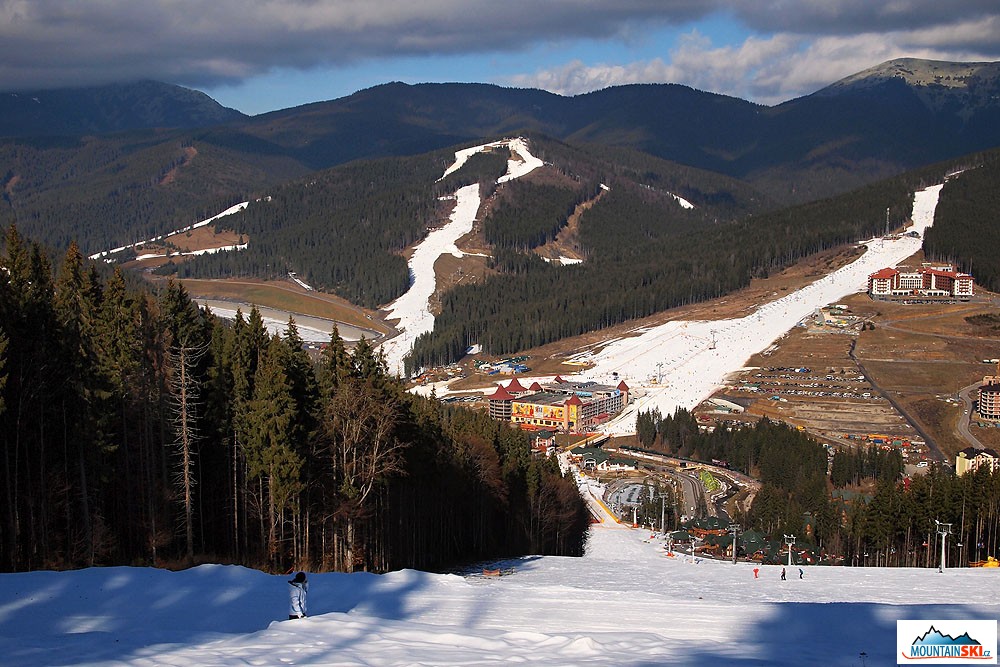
412	309
692	370
229	211
624	603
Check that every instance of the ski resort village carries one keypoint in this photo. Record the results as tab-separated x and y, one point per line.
616	372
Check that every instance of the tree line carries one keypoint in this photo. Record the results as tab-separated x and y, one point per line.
139	429
646	254
965	232
885	520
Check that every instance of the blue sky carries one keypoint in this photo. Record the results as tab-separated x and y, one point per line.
294	86
261	56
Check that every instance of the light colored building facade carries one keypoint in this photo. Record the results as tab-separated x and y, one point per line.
927	281
567	406
988	400
971	459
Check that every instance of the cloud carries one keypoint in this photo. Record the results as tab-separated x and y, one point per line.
45	43
780	67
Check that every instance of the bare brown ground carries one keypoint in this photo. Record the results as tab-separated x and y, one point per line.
189	154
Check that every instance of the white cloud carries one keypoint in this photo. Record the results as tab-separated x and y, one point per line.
44	43
771	70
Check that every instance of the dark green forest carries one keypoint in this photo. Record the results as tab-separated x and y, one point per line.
136	428
891	523
646	254
965	230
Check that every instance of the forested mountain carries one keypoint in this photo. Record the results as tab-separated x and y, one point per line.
879	123
110	108
965	230
646	254
138	429
344	229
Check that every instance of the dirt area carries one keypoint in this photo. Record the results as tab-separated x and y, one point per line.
288	296
919	355
551	359
808	379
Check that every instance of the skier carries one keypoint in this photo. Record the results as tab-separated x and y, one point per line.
782	574
756	572
800	573
298	588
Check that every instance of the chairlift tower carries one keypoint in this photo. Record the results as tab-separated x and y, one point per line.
789	541
735	530
712	345
943	529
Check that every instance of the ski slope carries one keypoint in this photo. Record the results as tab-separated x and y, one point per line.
682	352
624	603
412	309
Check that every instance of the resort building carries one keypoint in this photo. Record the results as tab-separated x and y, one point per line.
971	459
562	405
927	281
989	397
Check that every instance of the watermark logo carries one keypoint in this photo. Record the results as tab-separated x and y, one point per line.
946	642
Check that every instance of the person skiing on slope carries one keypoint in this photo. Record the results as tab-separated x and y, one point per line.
298	589
756	571
800	573
782	574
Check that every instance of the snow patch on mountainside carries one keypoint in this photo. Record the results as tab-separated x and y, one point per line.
229	211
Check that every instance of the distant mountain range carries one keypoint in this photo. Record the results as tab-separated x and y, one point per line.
897	116
148	157
110	108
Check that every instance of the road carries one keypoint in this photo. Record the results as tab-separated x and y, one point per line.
965	393
935	451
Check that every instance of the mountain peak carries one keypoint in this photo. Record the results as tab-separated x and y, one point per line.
962	89
108	108
918	72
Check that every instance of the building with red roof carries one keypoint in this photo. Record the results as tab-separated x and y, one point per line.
941	282
561	405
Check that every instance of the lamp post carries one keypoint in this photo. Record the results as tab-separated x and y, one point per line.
943	529
789	541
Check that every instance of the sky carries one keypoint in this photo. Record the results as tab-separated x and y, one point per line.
260	56
626	602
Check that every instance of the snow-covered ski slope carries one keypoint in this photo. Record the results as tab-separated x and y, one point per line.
229	211
691	369
624	603
413	308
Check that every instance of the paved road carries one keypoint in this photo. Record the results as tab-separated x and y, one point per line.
965	393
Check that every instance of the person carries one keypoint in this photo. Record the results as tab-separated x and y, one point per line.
800	573
298	589
782	574
756	572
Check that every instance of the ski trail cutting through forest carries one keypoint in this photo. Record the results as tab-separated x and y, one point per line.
412	309
692	367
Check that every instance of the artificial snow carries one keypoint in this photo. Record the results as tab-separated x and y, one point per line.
229	211
694	357
412	309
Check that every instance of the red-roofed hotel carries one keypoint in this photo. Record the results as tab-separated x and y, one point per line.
563	405
927	281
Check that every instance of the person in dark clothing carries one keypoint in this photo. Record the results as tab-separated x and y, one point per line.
782	574
298	589
800	573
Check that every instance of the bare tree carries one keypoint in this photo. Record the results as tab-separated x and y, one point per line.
360	426
185	393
